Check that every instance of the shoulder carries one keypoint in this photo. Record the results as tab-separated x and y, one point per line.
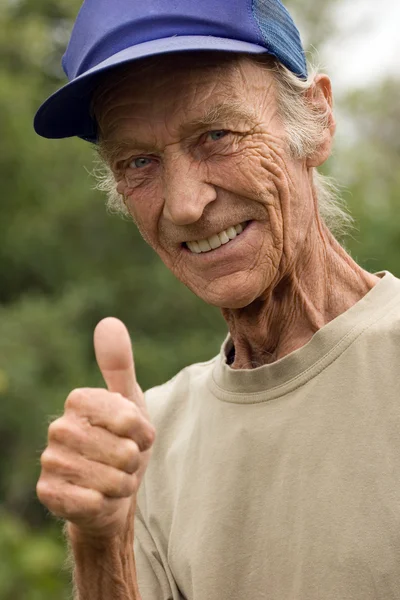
379	322
387	313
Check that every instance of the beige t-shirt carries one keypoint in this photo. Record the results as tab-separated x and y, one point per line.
281	482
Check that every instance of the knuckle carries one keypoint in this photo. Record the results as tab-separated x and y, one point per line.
47	460
51	496
74	398
43	491
66	503
130	456
122	486
128	487
53	461
149	436
58	430
144	434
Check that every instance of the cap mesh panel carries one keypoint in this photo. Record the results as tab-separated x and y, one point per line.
280	34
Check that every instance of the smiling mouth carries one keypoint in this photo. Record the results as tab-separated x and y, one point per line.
216	240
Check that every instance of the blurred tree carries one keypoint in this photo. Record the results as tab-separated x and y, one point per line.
368	165
315	20
30	566
66	263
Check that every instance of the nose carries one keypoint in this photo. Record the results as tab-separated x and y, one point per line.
186	192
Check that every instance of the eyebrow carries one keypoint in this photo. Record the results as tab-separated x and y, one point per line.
219	114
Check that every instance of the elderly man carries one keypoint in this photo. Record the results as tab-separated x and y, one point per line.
272	471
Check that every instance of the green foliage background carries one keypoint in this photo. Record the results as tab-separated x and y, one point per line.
65	263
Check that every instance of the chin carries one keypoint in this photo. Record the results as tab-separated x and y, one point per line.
236	293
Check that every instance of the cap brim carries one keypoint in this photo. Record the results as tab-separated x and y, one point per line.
67	112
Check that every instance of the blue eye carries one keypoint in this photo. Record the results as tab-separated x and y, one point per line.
139	162
218	135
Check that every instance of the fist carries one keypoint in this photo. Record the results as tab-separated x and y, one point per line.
99	449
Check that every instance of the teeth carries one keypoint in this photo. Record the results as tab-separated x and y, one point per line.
194	247
204	245
239	228
231	233
224	237
216	240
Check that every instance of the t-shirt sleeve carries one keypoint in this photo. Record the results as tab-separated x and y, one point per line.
154	579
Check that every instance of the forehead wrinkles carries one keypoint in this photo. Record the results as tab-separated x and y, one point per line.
160	94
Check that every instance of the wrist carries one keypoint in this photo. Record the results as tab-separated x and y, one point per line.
99	540
104	567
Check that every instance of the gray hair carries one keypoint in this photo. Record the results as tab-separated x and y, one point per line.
304	126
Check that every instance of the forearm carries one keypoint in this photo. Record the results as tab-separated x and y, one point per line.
104	571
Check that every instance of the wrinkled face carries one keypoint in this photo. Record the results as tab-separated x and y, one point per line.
201	158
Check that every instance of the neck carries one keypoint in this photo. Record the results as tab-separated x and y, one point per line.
320	285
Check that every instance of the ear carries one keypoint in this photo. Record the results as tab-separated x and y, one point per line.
321	99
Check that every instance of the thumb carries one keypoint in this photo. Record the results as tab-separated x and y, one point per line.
113	349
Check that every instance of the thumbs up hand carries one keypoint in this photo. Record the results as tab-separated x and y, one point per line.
98	451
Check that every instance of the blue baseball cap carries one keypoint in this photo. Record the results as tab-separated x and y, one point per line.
109	33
